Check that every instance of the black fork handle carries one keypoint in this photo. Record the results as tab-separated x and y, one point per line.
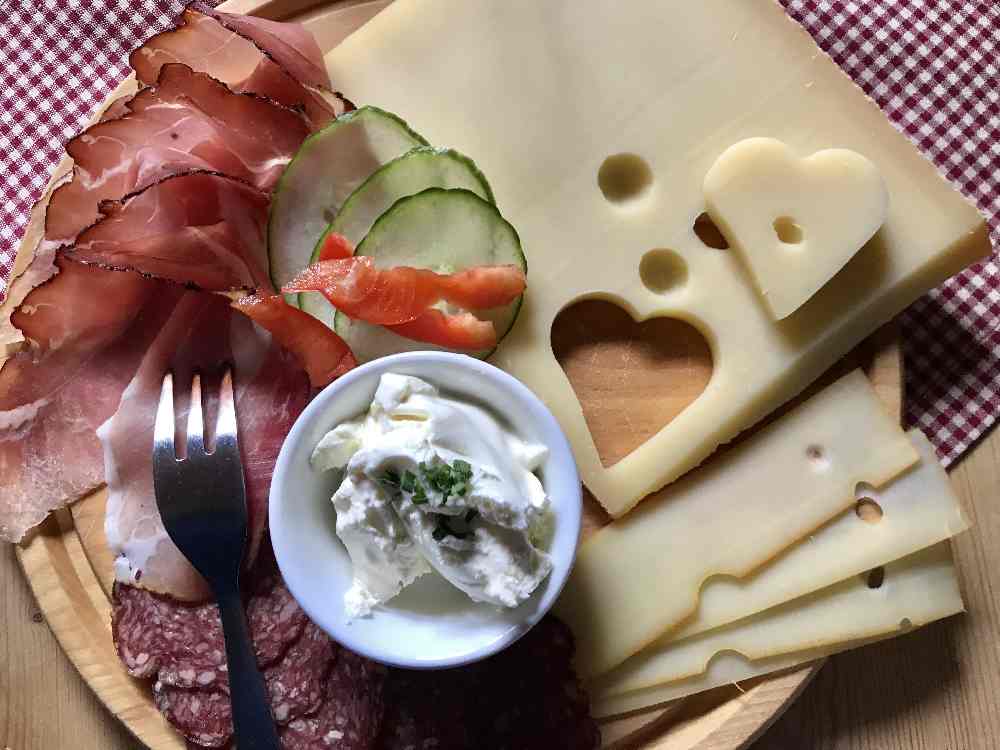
252	721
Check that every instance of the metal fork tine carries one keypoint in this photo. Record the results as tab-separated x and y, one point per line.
196	421
202	503
226	427
163	428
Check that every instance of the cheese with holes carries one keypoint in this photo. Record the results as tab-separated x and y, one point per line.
639	576
919	509
542	93
794	220
914	591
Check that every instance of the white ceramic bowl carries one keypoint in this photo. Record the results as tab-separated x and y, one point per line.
430	624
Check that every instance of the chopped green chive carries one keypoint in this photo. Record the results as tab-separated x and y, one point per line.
444	480
408	482
419	495
390	478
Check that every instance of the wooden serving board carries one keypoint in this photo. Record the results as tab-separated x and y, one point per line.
631	380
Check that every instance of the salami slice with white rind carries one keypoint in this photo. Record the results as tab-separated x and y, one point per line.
351	715
276	620
525	698
183	645
295	684
204	717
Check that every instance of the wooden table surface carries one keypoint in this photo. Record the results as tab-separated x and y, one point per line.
935	689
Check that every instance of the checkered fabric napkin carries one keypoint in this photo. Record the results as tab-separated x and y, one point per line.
933	66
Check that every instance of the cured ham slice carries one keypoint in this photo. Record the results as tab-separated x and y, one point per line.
80	332
388	296
87	329
323	354
289	44
187	121
248	55
55	393
202	335
201	229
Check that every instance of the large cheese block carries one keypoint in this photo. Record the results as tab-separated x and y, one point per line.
916	510
912	592
639	577
597	129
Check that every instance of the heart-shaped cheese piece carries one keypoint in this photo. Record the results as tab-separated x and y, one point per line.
794	221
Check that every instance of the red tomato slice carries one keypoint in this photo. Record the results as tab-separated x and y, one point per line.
462	331
335	247
389	296
323	354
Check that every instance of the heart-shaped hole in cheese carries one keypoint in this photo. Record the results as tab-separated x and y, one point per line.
631	378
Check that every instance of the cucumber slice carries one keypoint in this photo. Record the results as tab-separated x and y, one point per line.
328	167
445	230
416	170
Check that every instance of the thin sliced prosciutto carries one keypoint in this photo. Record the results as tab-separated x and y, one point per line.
80	333
249	55
201	229
288	44
81	353
187	121
202	335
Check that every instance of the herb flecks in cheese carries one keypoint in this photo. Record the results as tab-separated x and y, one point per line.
435	483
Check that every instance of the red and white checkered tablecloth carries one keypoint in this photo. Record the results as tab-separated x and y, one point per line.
932	65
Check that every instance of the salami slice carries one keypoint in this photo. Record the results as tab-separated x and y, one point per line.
183	645
421	711
204	717
276	620
525	698
179	643
295	684
351	715
528	697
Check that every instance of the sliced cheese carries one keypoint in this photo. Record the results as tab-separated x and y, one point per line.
916	590
541	94
639	576
918	509
793	220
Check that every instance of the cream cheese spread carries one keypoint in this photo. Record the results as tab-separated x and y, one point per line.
431	482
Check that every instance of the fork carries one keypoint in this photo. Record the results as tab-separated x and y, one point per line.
202	502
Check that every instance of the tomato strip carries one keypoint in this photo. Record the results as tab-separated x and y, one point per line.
323	354
335	247
390	296
462	331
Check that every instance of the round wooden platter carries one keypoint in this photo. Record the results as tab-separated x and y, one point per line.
630	383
